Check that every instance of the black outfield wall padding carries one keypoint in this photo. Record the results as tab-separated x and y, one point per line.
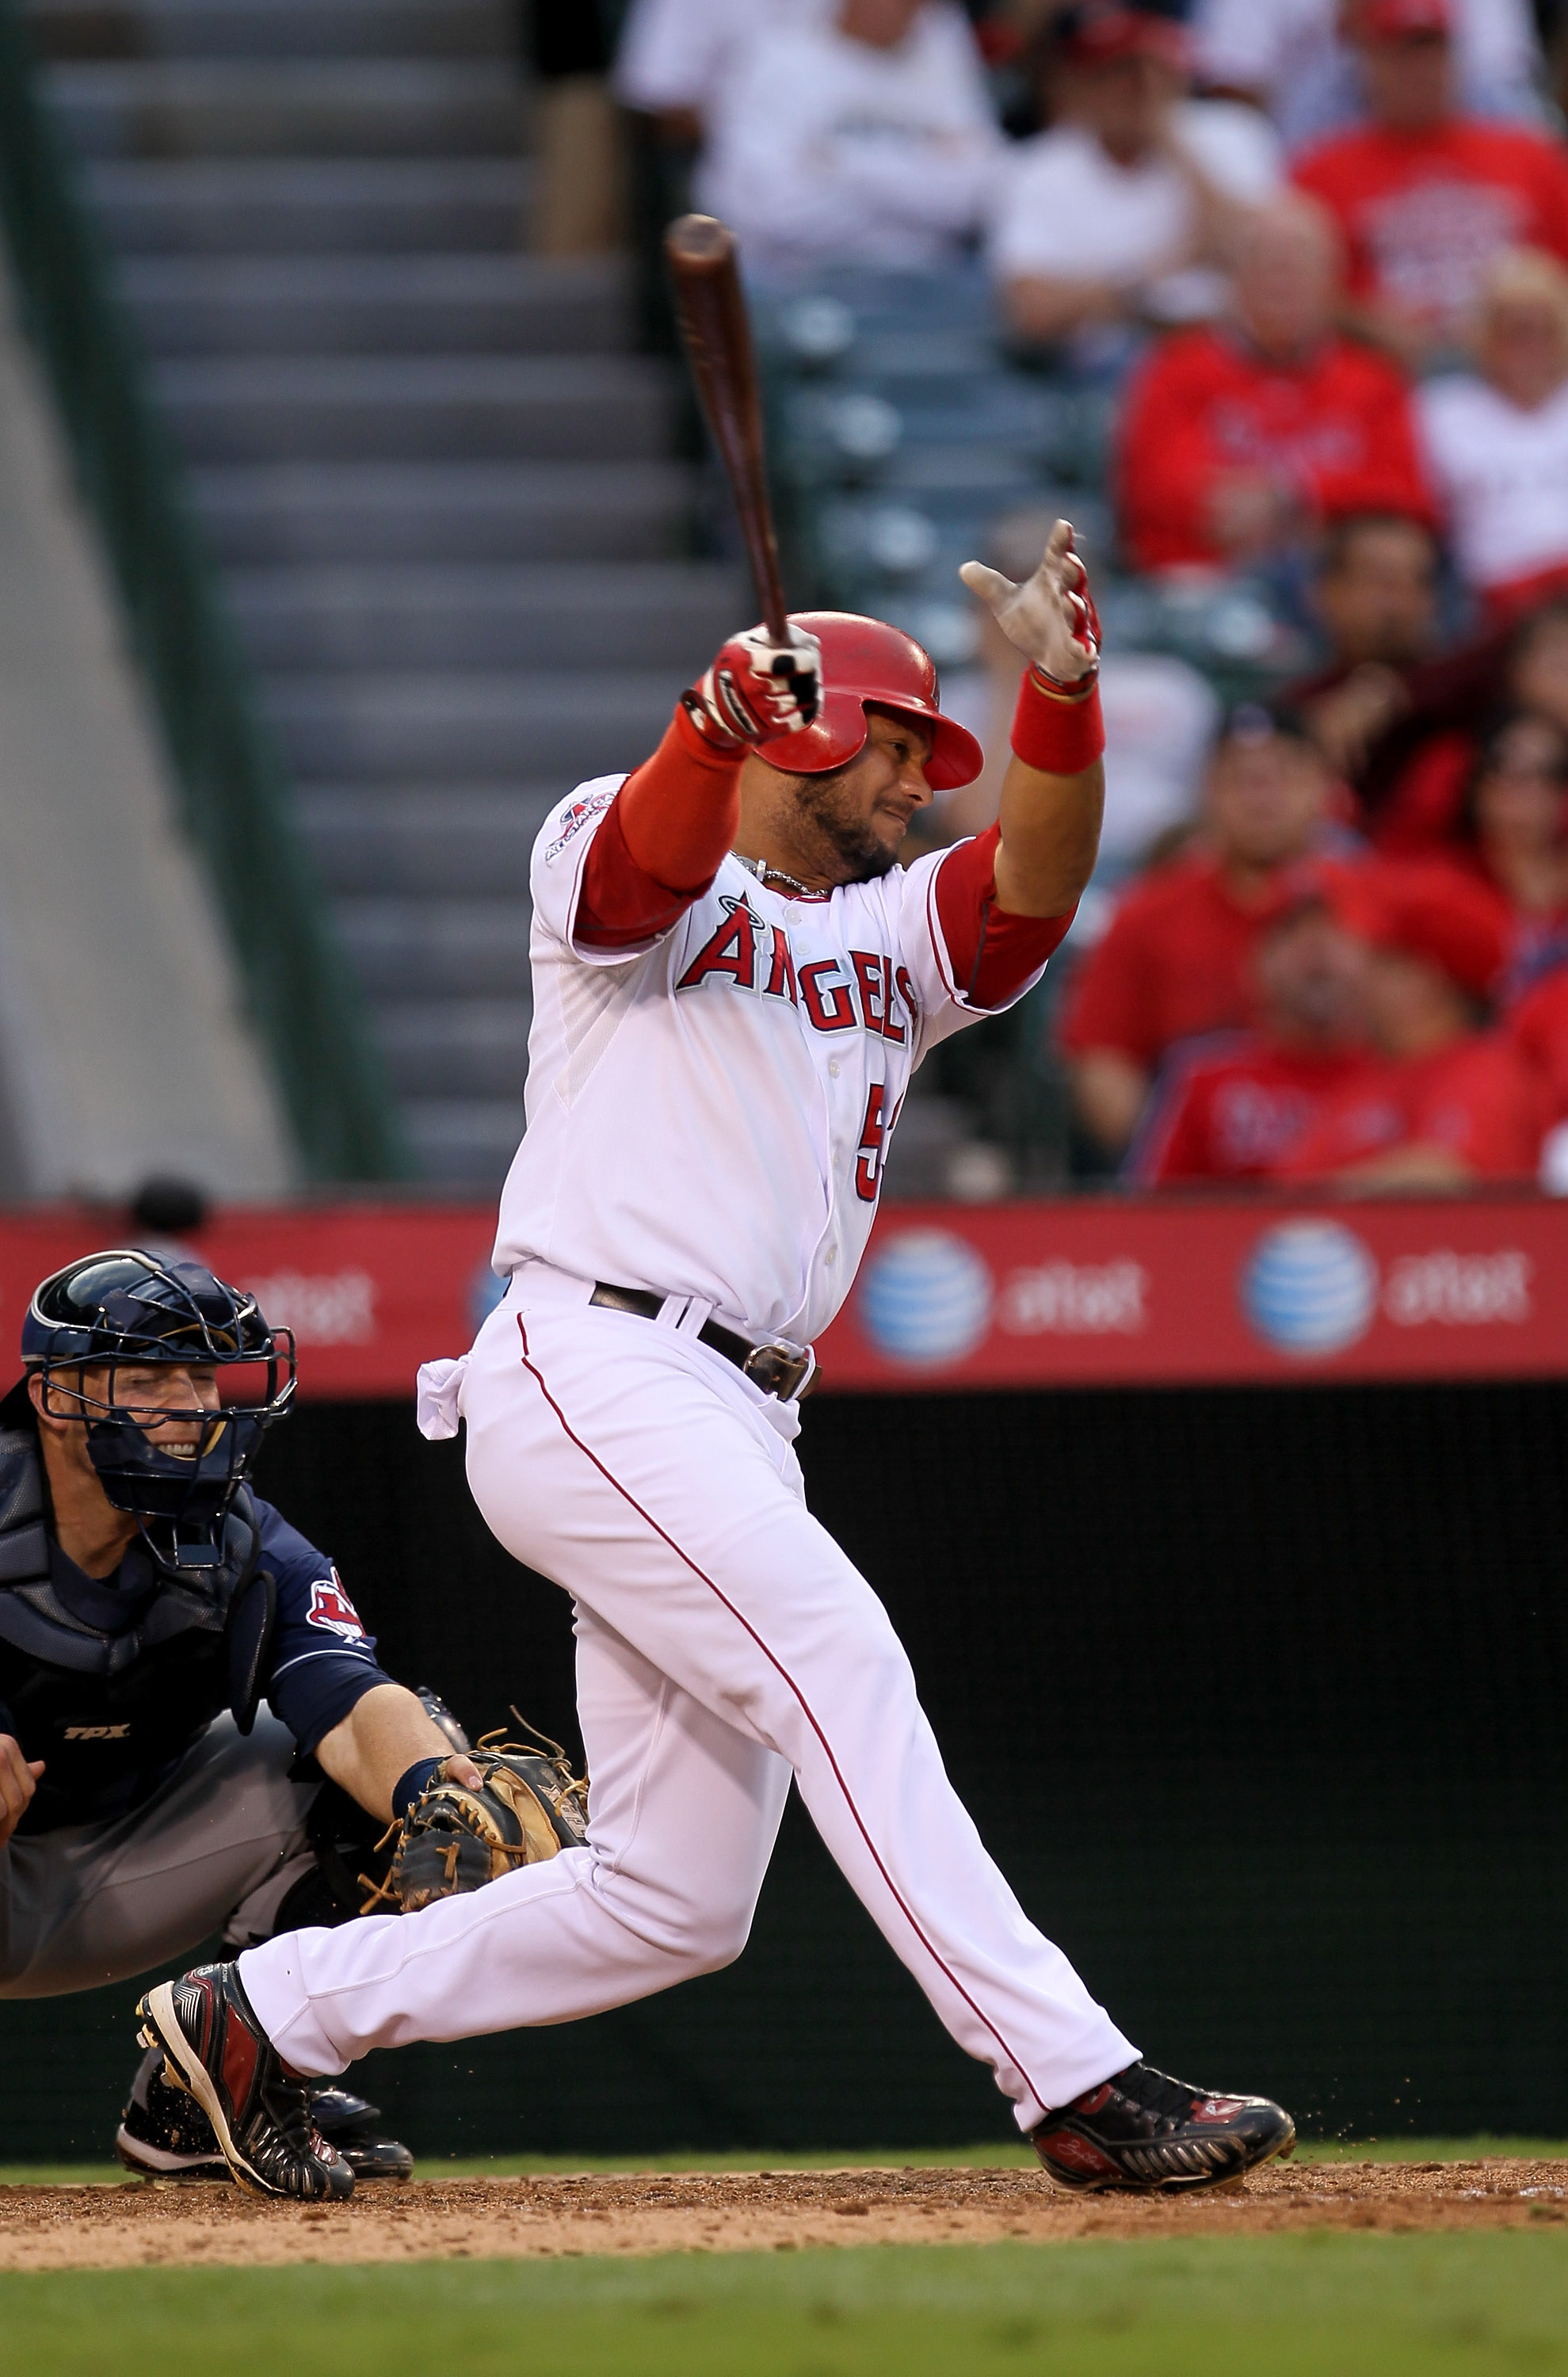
1261	1697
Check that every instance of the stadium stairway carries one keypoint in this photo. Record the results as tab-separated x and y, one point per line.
124	1048
442	488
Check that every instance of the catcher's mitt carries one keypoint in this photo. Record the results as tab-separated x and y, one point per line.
455	1838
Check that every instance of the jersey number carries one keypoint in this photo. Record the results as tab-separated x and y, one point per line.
873	1146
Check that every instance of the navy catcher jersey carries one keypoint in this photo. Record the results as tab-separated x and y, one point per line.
109	1740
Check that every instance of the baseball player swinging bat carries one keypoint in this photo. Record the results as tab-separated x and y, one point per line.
735	979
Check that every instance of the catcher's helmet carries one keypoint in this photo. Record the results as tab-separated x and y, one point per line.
128	1309
866	661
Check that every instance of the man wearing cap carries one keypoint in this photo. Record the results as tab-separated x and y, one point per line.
861	135
1291	58
1451	1103
1176	961
1425	196
1238	1105
1129	207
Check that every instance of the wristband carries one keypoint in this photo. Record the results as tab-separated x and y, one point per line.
1057	732
413	1782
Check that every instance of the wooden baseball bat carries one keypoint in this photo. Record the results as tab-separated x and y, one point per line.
711	306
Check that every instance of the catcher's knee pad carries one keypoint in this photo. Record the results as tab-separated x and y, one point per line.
343	1838
311	1906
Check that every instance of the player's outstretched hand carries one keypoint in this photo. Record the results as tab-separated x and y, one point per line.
757	690
18	1781
1052	617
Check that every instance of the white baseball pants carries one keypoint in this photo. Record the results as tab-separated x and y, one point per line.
723	1640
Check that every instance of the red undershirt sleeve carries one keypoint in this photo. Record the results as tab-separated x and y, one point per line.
991	954
661	841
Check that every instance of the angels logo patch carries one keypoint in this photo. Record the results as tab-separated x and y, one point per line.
574	818
331	1608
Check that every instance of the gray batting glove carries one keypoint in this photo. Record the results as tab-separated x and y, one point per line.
1052	617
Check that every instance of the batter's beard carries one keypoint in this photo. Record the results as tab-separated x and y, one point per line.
849	838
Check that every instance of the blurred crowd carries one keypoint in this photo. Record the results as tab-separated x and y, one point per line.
1315	254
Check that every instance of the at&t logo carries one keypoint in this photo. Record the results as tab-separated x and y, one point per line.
1311	1288
927	1298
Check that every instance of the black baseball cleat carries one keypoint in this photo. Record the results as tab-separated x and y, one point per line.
353	2126
1143	2130
217	2052
164	2132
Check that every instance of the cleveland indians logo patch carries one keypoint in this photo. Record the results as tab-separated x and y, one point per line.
574	818
330	1607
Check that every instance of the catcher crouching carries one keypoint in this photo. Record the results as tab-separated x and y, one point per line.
196	1735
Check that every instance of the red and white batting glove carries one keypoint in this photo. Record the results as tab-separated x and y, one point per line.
757	690
1052	617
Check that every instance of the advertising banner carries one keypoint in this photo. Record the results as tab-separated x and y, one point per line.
370	1290
1112	1291
1091	1291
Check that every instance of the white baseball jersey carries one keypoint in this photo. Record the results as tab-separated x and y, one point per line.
708	1113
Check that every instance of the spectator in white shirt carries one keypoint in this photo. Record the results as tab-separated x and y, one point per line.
1290	57
1130	206
1497	442
674	56
868	141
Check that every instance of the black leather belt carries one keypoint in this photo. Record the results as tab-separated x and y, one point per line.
776	1368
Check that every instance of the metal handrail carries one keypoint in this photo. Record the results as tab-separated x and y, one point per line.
232	788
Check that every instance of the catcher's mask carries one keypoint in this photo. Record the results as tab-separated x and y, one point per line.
126	1310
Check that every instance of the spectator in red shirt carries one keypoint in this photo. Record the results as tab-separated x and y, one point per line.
1237	440
1427	197
1395	717
1176	958
1537	663
1418	767
1451	1104
1515	829
1236	1106
1538	1029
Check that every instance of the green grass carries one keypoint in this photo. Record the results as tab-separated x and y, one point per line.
995	2155
1326	2304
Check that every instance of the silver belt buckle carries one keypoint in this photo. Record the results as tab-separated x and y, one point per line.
777	1371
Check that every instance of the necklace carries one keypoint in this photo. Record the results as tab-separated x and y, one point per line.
764	874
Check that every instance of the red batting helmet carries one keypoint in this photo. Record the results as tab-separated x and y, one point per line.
866	661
